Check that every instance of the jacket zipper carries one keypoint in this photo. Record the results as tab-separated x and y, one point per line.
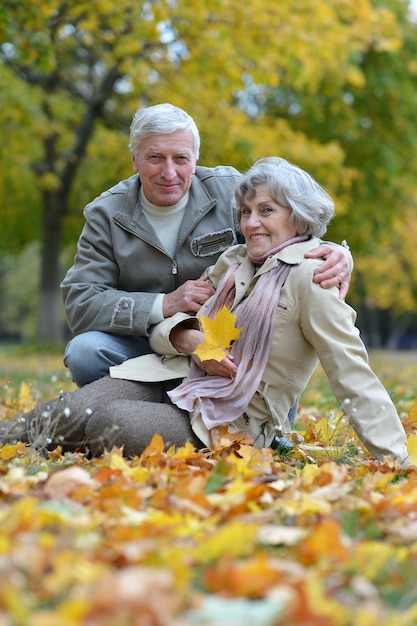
174	266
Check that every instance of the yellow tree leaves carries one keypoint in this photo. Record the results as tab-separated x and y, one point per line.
291	85
219	333
389	272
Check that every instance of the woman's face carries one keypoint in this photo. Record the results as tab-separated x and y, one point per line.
264	223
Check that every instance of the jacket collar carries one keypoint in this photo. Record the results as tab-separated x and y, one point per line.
294	255
132	217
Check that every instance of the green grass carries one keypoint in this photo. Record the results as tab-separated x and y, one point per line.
397	371
42	367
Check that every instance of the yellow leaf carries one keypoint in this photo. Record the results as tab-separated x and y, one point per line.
219	334
412	413
9	451
373	557
17	610
322	452
412	447
117	461
304	504
24	393
234	540
329	610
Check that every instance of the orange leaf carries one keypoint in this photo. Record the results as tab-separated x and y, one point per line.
251	578
155	447
325	542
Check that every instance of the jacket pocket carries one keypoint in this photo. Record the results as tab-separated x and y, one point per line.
213	243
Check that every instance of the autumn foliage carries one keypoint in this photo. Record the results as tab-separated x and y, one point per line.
321	536
327	84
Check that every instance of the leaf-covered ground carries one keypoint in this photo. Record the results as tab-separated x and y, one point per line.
322	537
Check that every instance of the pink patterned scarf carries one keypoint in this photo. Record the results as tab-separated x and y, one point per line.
223	400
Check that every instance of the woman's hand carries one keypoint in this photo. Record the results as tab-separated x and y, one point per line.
225	368
186	340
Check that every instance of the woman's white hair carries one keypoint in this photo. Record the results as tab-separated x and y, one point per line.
161	119
311	206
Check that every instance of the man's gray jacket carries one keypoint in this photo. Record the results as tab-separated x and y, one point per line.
121	265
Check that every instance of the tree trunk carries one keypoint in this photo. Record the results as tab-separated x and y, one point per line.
398	327
55	201
50	324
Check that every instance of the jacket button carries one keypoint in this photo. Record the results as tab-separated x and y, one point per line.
125	305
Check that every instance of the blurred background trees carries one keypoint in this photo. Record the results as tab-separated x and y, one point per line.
329	84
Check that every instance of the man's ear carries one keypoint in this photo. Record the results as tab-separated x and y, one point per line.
134	163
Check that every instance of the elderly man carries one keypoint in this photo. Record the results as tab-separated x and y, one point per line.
147	240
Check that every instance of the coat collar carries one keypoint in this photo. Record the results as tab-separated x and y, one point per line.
294	255
132	217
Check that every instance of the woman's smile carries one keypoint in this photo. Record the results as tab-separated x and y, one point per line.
264	223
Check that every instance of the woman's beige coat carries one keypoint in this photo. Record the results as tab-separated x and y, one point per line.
311	324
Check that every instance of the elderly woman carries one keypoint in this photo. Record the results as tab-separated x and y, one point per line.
288	324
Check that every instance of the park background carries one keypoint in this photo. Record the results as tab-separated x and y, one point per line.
328	84
325	537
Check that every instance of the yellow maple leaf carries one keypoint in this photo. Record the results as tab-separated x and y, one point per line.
219	334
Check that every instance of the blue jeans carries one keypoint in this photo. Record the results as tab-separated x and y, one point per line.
88	356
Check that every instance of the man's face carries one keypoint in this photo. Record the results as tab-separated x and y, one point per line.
165	164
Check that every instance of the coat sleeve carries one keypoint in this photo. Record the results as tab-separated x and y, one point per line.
90	290
160	333
328	324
